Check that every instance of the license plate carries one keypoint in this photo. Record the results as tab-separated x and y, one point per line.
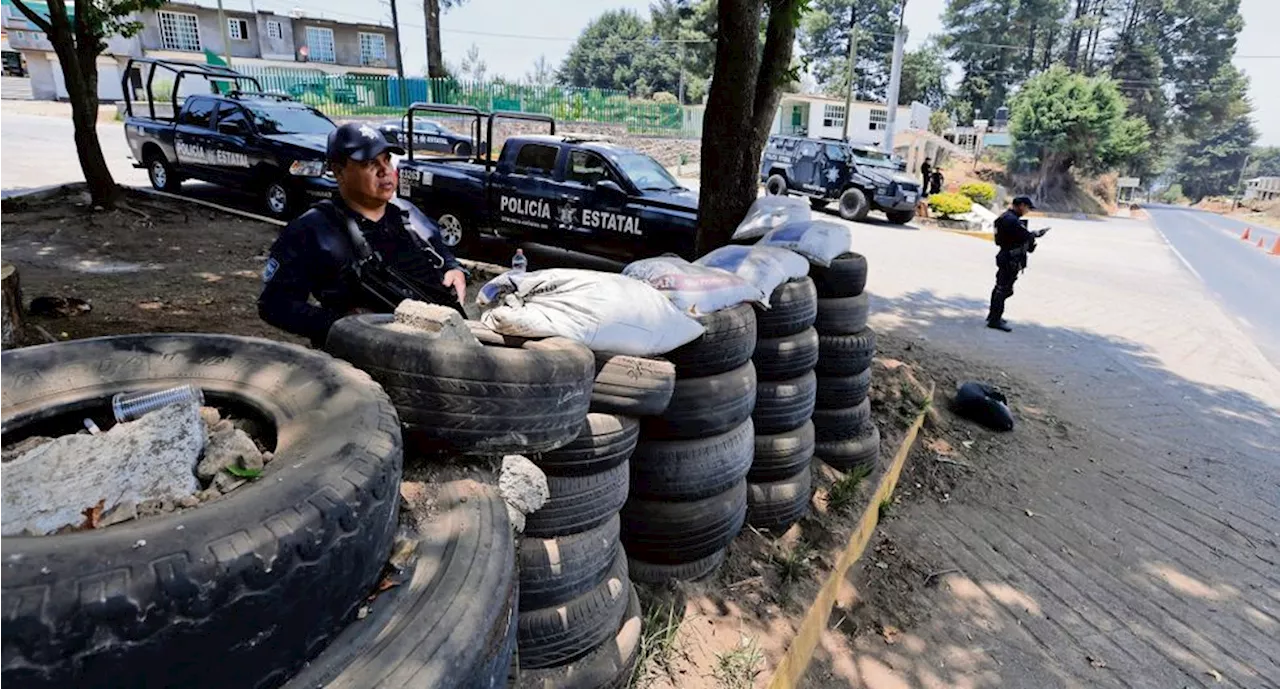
911	198
406	187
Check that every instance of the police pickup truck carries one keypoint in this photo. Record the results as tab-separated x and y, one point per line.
262	143
577	193
861	180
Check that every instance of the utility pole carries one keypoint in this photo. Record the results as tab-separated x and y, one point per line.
895	80
1235	203
226	40
395	27
853	59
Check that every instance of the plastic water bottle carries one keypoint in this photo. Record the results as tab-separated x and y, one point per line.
518	262
128	406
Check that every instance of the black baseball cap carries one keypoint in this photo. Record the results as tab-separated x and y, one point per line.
1024	201
356	141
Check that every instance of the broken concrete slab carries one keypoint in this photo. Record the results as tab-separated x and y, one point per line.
524	488
227	448
154	457
440	322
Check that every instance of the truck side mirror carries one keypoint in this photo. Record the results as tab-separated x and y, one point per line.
233	127
610	189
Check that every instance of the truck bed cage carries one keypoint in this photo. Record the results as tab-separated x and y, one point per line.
482	146
270	95
181	68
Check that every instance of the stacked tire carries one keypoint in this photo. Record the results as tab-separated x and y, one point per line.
579	622
845	436
688	475
779	481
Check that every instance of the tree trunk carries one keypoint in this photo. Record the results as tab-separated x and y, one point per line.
741	106
11	326
435	57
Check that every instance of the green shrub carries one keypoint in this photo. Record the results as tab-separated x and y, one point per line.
948	205
665	97
982	193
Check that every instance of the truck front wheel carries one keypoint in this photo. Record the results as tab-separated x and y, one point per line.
776	185
162	174
277	200
853	204
900	217
453	233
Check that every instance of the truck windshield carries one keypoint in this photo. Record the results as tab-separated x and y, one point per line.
645	172
872	158
284	120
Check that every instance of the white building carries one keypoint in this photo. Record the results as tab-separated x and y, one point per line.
824	116
1262	189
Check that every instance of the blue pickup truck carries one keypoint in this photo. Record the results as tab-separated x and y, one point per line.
575	192
264	143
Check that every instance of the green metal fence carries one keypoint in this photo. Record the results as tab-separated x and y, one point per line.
366	95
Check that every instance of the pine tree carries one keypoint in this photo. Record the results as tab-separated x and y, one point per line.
824	39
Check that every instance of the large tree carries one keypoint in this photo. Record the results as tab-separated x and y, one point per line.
998	44
78	38
740	108
431	10
824	39
1062	121
924	77
688	27
620	50
1220	117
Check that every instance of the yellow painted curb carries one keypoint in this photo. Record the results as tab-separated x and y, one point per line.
795	662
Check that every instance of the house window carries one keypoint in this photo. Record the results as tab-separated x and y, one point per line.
373	49
320	44
238	29
832	115
179	31
274	30
20	35
879	120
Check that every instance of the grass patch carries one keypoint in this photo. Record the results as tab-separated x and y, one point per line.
737	669
657	641
794	565
885	508
842	494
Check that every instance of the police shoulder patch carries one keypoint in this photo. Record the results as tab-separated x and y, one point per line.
270	270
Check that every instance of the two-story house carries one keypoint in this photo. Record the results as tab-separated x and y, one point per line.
189	31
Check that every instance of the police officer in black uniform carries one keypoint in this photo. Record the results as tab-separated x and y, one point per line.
1015	242
316	254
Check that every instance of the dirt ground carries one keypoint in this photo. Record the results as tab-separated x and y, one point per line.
731	630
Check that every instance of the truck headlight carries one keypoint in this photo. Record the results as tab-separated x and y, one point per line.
307	168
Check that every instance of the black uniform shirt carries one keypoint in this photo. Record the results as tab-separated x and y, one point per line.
1011	231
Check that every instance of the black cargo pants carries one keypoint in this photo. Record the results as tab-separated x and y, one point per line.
1009	262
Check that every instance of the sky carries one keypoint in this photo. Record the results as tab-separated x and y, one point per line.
530	28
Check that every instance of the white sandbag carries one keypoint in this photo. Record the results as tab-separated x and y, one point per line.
603	311
819	241
765	267
695	289
771	212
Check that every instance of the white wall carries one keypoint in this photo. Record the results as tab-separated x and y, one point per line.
860	131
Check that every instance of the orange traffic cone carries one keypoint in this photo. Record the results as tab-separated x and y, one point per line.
1246	233
1260	242
1275	248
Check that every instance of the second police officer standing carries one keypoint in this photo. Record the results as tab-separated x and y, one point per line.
1015	242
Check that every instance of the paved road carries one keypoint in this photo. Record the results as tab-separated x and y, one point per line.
40	151
1243	278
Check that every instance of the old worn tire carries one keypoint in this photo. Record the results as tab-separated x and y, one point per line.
605	441
608	666
776	185
553	636
528	396
655	573
727	342
845	355
792	307
776	506
782	358
781	455
841	424
842	315
835	392
578	503
452	621
680	470
681	532
860	453
632	385
853	204
553	570
705	406
284	560
784	405
845	277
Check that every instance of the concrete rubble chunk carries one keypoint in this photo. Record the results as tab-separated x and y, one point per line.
231	447
152	458
210	415
524	488
438	322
